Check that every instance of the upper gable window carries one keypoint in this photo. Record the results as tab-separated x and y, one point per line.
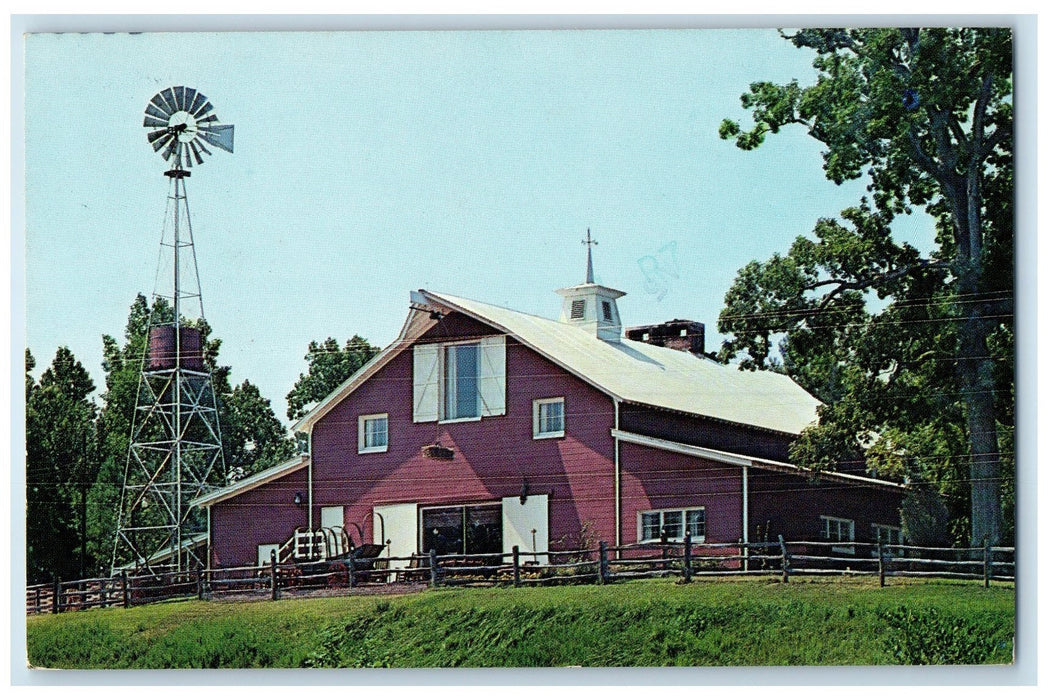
459	381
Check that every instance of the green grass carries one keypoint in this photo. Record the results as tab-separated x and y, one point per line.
649	623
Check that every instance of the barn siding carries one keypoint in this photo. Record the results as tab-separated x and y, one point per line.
654	479
493	456
788	505
264	515
705	432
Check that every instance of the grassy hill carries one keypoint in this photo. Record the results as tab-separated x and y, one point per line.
647	623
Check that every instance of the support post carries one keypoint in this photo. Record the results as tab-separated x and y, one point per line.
785	561
987	565
433	568
687	557
124	588
36	607
604	573
351	575
273	574
56	593
880	563
516	566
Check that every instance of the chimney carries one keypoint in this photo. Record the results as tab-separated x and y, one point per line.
678	334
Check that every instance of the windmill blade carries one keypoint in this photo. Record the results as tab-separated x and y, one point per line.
185	152
196	152
159	103
153	121
187	99
158	113
180	97
162	141
207	122
168	96
171	147
200	144
202	110
198	100
157	136
220	136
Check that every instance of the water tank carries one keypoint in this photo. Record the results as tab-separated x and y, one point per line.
162	348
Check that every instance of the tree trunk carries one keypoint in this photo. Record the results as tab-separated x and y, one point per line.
975	368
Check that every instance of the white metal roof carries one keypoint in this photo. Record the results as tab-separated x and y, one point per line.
250	482
637	372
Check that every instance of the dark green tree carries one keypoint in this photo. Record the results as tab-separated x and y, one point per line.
902	346
61	465
257	438
329	366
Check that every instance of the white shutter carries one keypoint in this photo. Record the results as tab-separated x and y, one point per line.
426	394
493	376
519	519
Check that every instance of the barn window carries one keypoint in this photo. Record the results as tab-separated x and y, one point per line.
838	530
888	535
373	433
462	529
547	418
674	523
460	381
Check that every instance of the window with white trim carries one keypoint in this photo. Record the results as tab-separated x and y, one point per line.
888	535
838	530
459	381
674	522
547	418
373	433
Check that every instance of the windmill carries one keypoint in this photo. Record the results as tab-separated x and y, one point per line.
175	451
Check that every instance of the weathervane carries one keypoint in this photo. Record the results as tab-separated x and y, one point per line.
589	243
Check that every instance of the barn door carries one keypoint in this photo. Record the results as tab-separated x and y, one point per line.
518	521
397	523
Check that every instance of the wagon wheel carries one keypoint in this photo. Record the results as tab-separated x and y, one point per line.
338	576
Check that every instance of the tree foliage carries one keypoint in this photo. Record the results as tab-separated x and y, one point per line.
329	366
911	353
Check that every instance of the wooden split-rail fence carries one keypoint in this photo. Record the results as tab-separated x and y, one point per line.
606	564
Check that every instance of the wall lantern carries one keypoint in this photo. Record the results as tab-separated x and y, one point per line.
298	498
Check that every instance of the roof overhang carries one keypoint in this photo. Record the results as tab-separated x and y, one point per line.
251	482
740	460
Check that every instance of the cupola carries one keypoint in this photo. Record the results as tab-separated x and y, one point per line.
590	306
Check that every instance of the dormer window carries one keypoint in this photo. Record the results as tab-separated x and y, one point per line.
578	309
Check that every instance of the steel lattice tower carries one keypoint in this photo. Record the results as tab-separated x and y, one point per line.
175	453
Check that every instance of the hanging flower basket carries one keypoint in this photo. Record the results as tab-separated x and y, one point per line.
438	451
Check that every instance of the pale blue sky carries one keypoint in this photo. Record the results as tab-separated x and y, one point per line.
368	164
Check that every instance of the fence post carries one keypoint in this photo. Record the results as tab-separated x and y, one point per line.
126	589
351	574
56	592
200	582
516	566
785	561
273	574
433	568
986	563
687	557
880	562
604	573
36	608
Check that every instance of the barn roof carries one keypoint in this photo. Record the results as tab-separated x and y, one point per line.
638	372
246	484
631	371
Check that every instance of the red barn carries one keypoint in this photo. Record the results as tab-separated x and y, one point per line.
481	428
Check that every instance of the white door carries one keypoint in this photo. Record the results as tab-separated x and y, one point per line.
397	523
527	526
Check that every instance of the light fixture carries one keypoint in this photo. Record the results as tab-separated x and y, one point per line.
298	498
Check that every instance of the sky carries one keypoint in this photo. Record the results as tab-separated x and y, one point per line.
368	164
